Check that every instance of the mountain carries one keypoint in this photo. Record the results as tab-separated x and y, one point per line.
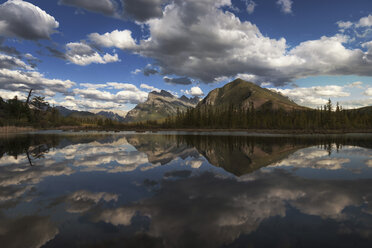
241	154
159	105
363	110
195	100
162	149
244	94
65	112
111	115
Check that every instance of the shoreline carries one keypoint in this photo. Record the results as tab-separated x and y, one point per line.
18	130
250	131
5	130
202	130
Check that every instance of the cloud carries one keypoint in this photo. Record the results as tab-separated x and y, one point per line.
241	206
368	92
285	5
26	21
369	163
87	104
8	50
251	5
356	103
149	70
31	60
332	163
82	54
136	71
106	7
360	29
195	91
19	172
344	25
181	80
94	96
56	53
137	10
265	84
142	10
313	96
20	80
365	21
148	87
357	84
313	158
17	77
93	86
123	86
197	39
10	94
111	157
120	39
10	62
119	216
82	200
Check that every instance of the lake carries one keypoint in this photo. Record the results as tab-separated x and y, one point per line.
61	189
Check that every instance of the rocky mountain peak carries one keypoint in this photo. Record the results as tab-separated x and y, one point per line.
161	93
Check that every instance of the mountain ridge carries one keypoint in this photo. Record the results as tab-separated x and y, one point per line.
246	95
65	112
160	105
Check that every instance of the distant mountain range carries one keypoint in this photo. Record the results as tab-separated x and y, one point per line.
238	93
85	114
159	105
111	115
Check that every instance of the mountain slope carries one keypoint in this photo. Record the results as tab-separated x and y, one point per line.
363	110
111	115
244	94
65	112
159	105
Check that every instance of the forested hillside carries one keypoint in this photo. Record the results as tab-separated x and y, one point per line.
234	117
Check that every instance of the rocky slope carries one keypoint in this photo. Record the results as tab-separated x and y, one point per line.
159	105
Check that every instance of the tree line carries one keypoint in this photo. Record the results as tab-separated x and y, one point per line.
38	113
235	117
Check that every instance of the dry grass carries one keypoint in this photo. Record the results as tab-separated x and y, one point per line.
13	129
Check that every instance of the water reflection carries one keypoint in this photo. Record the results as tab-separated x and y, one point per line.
106	190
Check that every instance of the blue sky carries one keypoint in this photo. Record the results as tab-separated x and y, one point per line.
108	54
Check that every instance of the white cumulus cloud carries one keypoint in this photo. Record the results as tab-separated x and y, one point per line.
82	54
368	92
313	96
195	91
149	87
26	21
120	39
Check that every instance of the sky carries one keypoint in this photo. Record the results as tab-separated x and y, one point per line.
109	54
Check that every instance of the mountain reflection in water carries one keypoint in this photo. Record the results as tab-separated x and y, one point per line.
166	190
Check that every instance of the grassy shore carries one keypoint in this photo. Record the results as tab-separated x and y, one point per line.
13	129
269	131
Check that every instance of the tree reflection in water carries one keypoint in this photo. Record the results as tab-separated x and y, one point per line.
162	190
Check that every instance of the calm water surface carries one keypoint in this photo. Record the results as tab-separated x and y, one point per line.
169	190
